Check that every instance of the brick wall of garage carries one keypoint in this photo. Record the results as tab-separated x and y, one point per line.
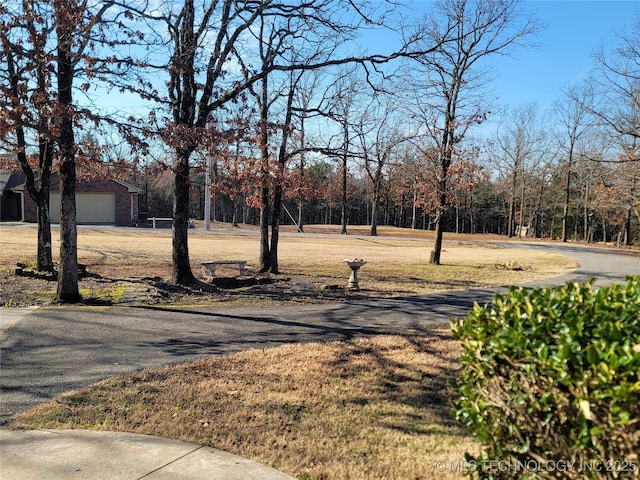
122	198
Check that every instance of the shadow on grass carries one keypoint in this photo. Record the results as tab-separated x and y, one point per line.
421	383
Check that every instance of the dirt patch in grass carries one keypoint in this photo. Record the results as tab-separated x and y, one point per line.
129	265
371	408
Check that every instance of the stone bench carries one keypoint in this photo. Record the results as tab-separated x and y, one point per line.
209	268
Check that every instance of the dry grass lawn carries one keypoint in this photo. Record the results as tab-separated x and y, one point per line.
397	263
375	408
371	408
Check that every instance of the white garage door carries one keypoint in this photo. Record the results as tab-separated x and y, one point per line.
91	207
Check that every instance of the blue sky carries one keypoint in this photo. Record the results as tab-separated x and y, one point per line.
573	30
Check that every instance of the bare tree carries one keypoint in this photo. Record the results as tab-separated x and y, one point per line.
448	89
301	111
618	83
81	40
58	43
341	106
278	39
25	35
379	133
521	144
573	113
205	37
617	108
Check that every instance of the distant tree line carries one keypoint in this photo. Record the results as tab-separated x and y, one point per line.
602	207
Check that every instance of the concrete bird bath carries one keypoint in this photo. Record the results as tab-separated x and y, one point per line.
354	265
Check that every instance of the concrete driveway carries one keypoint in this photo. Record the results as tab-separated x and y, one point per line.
57	349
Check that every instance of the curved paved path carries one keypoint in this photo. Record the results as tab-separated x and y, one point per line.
56	349
103	455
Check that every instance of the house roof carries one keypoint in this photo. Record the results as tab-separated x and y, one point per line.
132	188
10	180
4	180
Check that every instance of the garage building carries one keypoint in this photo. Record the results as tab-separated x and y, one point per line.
98	201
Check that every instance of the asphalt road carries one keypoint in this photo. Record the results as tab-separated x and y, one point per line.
57	349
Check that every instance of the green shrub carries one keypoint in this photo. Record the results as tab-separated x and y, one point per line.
550	377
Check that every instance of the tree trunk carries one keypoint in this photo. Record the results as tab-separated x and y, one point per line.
538	217
302	165
512	218
437	243
442	202
301	216
413	209
45	258
522	211
67	288
182	274
275	230
472	221
512	205
457	218
445	162
565	208
374	212
278	191
40	196
585	212
344	195
264	263
235	206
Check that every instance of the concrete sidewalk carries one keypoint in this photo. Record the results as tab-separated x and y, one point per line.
11	316
84	454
